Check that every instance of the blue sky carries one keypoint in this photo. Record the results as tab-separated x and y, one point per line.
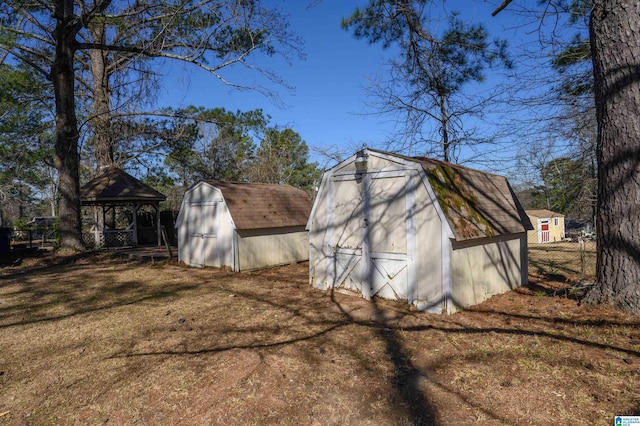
329	106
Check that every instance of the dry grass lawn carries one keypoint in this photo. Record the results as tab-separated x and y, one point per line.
99	339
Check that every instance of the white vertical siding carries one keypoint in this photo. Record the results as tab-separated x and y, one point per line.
487	268
207	236
320	236
257	251
199	226
429	253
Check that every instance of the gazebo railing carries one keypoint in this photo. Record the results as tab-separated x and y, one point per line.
89	239
109	238
118	238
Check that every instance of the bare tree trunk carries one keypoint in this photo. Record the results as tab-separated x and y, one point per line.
101	121
67	159
615	49
102	134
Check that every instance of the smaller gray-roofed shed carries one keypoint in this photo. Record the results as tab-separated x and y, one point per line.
112	189
242	226
438	235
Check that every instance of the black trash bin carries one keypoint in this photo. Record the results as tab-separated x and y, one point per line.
5	240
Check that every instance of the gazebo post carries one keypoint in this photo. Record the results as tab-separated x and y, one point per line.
97	230
135	208
156	206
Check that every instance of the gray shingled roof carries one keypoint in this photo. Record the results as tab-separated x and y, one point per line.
115	185
543	213
263	206
477	204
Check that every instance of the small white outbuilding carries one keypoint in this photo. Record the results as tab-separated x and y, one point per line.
440	236
243	226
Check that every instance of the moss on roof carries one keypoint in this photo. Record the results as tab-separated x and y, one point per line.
459	203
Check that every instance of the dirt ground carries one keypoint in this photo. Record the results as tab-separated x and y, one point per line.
102	339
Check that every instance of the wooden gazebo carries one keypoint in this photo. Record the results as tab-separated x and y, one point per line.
116	198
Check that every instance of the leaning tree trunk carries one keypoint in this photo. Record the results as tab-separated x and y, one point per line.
615	47
67	159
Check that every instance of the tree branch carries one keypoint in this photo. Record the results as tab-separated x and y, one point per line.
504	4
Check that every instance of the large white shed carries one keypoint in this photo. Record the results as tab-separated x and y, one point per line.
441	236
243	226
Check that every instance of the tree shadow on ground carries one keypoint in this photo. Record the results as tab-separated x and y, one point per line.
406	377
72	288
310	322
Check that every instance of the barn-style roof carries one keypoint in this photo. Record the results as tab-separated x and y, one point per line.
263	205
543	213
476	204
117	186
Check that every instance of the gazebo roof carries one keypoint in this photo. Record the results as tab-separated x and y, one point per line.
116	186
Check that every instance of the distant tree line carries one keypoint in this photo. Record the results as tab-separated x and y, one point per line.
170	150
239	146
101	62
78	82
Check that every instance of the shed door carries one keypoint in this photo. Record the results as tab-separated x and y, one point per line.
346	244
371	234
545	235
388	238
203	223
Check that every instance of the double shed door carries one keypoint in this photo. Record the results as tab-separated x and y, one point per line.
374	237
203	225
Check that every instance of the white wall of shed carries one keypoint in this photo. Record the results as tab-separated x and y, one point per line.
485	268
429	265
215	251
321	235
184	251
262	248
335	200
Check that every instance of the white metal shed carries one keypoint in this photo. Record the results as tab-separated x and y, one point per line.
438	235
242	226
